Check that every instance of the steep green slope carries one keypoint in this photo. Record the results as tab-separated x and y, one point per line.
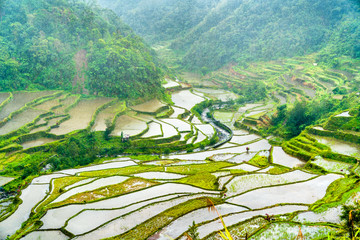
59	45
161	20
241	31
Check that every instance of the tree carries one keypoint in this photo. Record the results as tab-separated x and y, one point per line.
193	232
109	129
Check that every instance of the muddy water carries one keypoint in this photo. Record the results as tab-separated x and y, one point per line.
149	106
5	180
37	142
186	99
80	116
128	126
339	146
107	114
19	100
4	96
20	120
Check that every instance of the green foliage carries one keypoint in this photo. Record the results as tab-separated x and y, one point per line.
210	34
39	38
161	20
151	226
123	67
289	122
203	179
193	232
259	161
337	193
278	170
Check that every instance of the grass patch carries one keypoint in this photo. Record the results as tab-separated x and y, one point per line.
338	192
151	226
146	158
259	161
198	168
202	180
109	191
58	185
122	171
278	170
223	116
237	171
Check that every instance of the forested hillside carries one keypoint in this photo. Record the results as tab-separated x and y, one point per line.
161	20
67	45
210	34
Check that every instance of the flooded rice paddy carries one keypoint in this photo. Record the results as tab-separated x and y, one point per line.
37	142
20	120
5	180
222	95
186	99
80	116
170	84
311	191
107	115
339	146
128	125
19	100
149	106
154	130
168	194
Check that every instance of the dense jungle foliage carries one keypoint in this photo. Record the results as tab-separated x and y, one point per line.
40	40
211	34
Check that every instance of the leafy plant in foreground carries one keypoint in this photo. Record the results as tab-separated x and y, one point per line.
226	234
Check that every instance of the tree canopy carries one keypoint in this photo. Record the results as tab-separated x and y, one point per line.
39	39
214	33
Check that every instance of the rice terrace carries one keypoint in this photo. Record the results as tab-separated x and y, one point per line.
210	129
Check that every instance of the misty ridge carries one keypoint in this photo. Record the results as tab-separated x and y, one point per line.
213	33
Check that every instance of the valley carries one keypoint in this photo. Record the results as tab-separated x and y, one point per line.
128	193
185	120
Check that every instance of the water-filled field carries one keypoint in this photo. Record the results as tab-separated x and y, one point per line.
186	99
80	116
20	120
107	115
160	196
149	107
129	126
19	100
37	142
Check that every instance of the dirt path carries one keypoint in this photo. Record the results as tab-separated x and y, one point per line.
81	65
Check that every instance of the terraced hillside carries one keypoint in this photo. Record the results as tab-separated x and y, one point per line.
157	168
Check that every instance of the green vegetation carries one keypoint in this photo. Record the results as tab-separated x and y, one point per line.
207	35
109	191
259	161
309	90
126	59
289	122
146	229
337	193
278	170
203	180
50	45
198	168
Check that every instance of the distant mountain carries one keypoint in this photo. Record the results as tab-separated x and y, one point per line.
160	20
73	45
213	33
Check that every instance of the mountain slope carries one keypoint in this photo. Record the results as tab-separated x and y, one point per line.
244	30
40	38
161	20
